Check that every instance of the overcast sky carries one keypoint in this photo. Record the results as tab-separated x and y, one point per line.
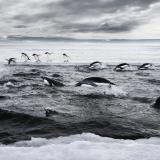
81	18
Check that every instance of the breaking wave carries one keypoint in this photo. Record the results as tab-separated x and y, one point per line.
85	146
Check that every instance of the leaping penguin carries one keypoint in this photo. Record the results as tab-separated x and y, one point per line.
145	66
94	82
25	56
11	60
48	54
95	65
66	57
36	56
121	67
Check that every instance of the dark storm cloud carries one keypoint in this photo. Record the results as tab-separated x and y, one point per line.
122	27
20	26
34	18
105	27
81	8
99	6
72	16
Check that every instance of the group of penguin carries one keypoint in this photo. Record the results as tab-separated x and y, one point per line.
90	81
36	57
123	66
95	81
120	67
93	66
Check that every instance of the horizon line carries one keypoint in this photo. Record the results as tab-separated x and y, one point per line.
56	38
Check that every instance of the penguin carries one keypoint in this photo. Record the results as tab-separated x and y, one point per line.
11	60
121	67
52	82
65	57
145	66
36	56
25	56
95	65
94	82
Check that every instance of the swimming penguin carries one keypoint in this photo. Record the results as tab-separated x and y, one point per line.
66	57
11	60
157	103
145	66
95	65
52	82
25	56
36	56
121	67
49	112
94	82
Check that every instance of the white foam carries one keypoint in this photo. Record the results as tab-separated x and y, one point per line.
98	66
104	89
82	147
116	91
9	84
46	82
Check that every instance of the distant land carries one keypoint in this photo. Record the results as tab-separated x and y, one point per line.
68	39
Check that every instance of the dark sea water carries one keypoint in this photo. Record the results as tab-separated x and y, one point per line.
124	112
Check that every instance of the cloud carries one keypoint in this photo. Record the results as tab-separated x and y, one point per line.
108	27
73	16
20	26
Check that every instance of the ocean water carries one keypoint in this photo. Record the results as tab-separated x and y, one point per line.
87	124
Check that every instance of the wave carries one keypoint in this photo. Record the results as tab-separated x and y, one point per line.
23	74
26	126
154	81
84	146
116	91
143	74
104	91
3	97
142	99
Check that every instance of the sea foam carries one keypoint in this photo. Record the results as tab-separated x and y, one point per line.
85	146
